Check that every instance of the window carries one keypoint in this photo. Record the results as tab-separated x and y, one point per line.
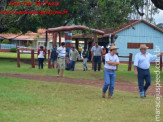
137	45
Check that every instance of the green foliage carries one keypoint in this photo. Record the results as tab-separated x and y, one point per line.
13	49
160	25
5	41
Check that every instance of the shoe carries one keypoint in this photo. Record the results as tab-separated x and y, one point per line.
103	95
109	95
83	69
142	97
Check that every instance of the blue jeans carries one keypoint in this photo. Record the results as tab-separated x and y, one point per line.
143	75
72	64
85	64
41	63
109	77
97	60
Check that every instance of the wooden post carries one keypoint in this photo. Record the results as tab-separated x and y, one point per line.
49	62
77	43
46	43
59	38
161	63
118	56
130	62
33	58
54	42
18	58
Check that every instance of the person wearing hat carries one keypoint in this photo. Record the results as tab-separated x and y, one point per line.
96	53
111	62
141	67
74	55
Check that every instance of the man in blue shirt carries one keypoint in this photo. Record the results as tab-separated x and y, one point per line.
141	67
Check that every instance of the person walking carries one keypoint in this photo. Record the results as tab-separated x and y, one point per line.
74	55
53	57
96	56
111	62
141	68
85	59
61	52
41	55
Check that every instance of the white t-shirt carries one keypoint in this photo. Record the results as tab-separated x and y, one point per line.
41	55
96	50
109	57
61	52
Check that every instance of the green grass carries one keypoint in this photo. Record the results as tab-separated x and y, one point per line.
35	101
9	66
14	55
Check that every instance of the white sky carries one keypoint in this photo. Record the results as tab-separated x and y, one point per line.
159	17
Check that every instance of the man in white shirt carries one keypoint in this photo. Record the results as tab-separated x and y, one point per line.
61	51
111	62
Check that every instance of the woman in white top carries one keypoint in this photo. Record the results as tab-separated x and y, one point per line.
41	56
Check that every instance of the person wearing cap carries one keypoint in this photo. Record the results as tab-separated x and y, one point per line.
141	68
111	63
96	52
74	55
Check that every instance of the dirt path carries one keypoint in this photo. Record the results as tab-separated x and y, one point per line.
120	85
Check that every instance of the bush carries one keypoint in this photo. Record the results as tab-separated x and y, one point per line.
13	50
5	41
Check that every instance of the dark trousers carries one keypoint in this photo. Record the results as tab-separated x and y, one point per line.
143	75
97	60
72	64
40	63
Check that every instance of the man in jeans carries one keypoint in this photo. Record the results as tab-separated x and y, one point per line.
111	62
141	67
96	56
74	54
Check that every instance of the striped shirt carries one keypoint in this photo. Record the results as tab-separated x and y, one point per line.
61	52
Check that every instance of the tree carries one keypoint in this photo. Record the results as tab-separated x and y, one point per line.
160	25
92	13
158	3
5	41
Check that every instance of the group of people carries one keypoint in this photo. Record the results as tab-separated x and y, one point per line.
62	58
142	61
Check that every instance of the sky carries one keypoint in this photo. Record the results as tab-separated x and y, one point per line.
159	17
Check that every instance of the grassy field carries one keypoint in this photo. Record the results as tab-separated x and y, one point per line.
35	101
9	66
14	55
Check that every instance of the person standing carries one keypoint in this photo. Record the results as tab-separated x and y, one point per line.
74	55
41	56
80	50
111	62
61	52
103	54
141	68
96	56
53	57
85	59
